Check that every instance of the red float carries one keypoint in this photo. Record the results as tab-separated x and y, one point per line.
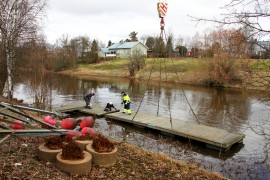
88	130
50	120
87	122
68	123
72	133
15	126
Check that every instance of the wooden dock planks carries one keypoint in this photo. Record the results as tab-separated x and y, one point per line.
214	137
97	110
70	107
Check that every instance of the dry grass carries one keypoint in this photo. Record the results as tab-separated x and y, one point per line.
187	71
184	71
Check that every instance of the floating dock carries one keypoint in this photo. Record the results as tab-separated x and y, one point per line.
214	138
96	110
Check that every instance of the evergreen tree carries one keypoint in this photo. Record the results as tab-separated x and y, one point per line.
182	50
133	36
94	47
109	43
150	42
169	46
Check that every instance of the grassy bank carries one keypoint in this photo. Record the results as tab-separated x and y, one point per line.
185	71
191	71
188	71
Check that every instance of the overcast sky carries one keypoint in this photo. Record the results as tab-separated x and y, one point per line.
106	20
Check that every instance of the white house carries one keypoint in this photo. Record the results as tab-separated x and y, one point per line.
123	50
261	47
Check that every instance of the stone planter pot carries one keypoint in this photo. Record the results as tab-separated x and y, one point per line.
106	159
47	154
80	167
83	143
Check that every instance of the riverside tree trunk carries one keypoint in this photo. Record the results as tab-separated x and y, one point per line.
18	25
10	66
3	71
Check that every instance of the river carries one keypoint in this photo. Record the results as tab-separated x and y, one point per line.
234	110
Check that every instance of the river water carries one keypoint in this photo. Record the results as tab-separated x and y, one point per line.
236	111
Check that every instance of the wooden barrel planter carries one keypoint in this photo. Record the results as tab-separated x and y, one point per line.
80	167
47	154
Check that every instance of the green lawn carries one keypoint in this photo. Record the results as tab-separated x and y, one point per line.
185	70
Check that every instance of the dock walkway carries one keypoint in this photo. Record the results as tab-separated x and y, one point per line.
214	138
97	110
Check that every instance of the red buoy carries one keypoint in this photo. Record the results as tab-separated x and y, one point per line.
15	126
50	120
72	133
68	123
87	122
88	130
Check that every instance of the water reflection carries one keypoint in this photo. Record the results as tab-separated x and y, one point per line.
227	109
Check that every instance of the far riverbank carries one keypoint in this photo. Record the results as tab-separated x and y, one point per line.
183	71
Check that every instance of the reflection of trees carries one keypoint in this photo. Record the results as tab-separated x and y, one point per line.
136	88
39	86
222	109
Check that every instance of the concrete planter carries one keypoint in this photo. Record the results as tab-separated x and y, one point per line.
80	167
83	143
47	154
106	159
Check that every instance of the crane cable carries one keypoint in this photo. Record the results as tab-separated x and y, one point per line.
185	94
159	92
146	88
162	10
169	99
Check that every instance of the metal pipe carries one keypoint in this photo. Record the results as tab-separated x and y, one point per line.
33	131
37	110
23	114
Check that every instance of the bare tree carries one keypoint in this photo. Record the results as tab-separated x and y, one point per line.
227	46
251	14
196	43
19	20
35	59
136	62
251	17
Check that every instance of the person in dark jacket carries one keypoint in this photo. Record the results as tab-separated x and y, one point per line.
87	99
109	107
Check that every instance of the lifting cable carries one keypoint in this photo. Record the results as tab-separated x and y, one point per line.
146	88
162	10
169	99
164	53
185	93
159	91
